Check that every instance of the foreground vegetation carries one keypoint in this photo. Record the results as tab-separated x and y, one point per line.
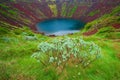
19	44
16	62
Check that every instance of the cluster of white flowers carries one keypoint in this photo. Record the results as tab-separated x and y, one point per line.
45	47
60	50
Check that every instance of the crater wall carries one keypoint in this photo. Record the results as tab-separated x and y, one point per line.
29	12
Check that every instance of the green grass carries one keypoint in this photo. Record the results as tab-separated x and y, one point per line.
104	21
93	13
16	62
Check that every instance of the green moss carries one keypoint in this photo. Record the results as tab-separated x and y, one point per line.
4	6
63	11
116	10
53	9
72	11
93	13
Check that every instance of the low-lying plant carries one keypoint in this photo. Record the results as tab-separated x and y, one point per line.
61	52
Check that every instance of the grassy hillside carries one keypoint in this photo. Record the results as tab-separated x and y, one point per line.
17	45
107	26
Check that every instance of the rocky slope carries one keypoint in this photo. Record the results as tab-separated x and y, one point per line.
28	12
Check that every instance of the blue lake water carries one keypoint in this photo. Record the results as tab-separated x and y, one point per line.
59	26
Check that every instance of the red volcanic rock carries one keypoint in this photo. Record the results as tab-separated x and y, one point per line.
90	32
52	36
117	26
30	12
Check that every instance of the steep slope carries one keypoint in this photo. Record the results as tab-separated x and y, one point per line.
28	12
107	26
